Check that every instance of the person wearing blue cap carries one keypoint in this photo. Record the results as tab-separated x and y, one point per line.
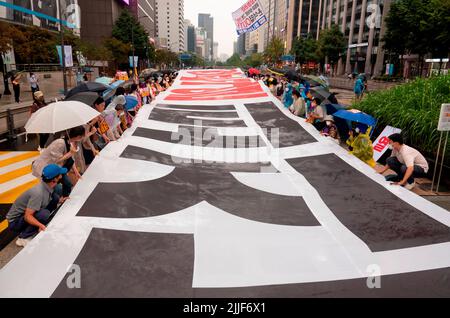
35	208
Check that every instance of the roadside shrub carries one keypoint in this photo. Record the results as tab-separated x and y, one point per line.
414	108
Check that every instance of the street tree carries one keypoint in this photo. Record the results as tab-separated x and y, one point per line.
34	45
305	49
274	50
331	44
5	46
128	30
418	27
254	60
119	50
234	60
165	58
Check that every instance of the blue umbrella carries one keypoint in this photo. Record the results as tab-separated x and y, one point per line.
104	80
131	102
358	117
116	84
111	89
333	108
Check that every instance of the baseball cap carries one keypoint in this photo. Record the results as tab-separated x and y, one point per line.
52	171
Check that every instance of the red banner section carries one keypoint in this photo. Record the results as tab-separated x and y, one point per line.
229	84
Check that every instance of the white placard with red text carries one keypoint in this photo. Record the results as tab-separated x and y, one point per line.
381	144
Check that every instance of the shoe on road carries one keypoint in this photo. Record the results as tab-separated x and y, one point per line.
23	242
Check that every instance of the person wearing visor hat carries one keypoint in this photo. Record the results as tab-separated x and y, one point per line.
35	208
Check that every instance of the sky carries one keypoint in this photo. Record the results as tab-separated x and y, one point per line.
224	27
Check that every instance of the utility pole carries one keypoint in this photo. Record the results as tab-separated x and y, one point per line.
268	26
132	45
63	55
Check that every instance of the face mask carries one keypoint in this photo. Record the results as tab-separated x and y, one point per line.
390	147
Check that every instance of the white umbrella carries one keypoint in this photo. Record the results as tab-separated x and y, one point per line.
60	116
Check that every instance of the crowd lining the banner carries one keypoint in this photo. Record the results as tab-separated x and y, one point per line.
71	152
297	95
65	156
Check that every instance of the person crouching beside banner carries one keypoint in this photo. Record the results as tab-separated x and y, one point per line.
35	208
406	161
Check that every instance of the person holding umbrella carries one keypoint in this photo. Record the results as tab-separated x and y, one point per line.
61	152
39	102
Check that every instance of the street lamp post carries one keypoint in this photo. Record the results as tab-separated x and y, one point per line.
132	46
63	55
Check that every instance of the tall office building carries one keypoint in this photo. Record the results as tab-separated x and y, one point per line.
281	10
190	36
98	17
277	14
201	42
240	45
170	25
206	21
362	22
146	16
215	51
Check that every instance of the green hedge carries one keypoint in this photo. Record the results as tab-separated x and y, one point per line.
414	108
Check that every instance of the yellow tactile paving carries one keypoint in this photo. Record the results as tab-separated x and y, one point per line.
3	225
21	157
15	174
10	196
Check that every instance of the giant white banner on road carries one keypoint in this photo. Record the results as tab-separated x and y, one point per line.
217	190
249	17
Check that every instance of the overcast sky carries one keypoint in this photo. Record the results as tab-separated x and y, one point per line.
221	10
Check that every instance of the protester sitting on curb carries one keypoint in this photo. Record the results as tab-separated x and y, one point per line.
35	208
298	108
406	161
363	148
113	118
287	96
317	116
353	133
61	152
330	130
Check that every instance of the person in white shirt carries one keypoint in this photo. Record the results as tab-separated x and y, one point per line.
406	161
34	83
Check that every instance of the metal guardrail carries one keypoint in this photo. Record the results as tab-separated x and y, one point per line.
36	68
10	121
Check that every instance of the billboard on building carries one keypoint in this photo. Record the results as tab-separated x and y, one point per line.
41	13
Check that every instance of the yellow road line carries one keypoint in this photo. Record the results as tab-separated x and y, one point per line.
19	158
3	225
10	196
15	174
4	152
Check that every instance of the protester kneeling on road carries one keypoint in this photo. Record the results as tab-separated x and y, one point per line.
407	162
35	208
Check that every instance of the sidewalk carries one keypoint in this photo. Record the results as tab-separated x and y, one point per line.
348	84
51	87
